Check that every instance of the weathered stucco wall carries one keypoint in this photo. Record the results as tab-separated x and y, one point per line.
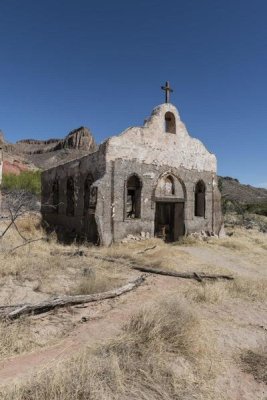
152	145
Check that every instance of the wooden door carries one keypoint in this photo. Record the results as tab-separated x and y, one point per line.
179	228
164	221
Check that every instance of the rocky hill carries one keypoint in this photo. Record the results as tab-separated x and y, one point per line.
48	153
232	189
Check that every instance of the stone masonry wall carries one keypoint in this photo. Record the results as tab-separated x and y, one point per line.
78	169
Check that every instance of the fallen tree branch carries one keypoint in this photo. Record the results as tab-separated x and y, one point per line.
186	275
47	305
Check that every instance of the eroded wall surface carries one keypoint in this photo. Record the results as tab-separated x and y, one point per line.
152	145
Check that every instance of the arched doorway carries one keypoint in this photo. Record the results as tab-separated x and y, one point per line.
169	212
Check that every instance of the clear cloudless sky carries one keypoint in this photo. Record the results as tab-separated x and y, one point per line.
67	63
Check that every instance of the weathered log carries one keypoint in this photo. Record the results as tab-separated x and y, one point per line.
186	275
63	301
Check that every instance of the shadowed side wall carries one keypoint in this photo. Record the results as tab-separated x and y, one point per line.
78	170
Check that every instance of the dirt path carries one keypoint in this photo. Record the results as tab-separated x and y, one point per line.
230	259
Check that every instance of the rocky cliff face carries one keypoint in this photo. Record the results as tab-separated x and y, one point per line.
49	153
78	139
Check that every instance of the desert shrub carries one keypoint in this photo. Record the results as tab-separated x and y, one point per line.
95	282
257	208
29	181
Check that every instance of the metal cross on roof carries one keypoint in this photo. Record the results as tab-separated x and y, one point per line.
167	90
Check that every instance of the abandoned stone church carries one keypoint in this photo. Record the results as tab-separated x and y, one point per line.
153	180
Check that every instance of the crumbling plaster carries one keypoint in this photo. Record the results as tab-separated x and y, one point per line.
152	145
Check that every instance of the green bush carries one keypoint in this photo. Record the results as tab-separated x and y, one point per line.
242	208
260	208
29	181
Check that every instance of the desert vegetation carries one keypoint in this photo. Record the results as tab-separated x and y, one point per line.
29	181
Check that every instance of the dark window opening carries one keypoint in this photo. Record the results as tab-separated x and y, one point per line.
170	125
200	202
86	198
55	196
133	200
70	197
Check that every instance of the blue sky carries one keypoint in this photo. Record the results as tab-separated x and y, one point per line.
101	63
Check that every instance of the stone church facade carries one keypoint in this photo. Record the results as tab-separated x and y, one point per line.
155	180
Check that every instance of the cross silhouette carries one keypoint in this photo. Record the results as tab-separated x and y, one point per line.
167	90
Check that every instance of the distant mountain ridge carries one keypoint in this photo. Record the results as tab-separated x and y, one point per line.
49	153
232	189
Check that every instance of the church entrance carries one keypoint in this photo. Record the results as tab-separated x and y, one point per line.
169	220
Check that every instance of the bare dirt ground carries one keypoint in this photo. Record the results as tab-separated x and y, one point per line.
236	313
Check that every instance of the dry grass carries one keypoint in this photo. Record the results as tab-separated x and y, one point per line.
241	239
189	241
248	289
27	334
217	292
255	363
15	338
96	281
49	267
161	354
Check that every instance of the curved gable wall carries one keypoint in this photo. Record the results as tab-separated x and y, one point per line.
152	145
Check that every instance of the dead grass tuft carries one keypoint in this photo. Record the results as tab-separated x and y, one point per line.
207	292
96	281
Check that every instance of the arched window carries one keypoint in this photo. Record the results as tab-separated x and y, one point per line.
55	196
86	197
200	199
168	186
70	197
170	125
133	199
